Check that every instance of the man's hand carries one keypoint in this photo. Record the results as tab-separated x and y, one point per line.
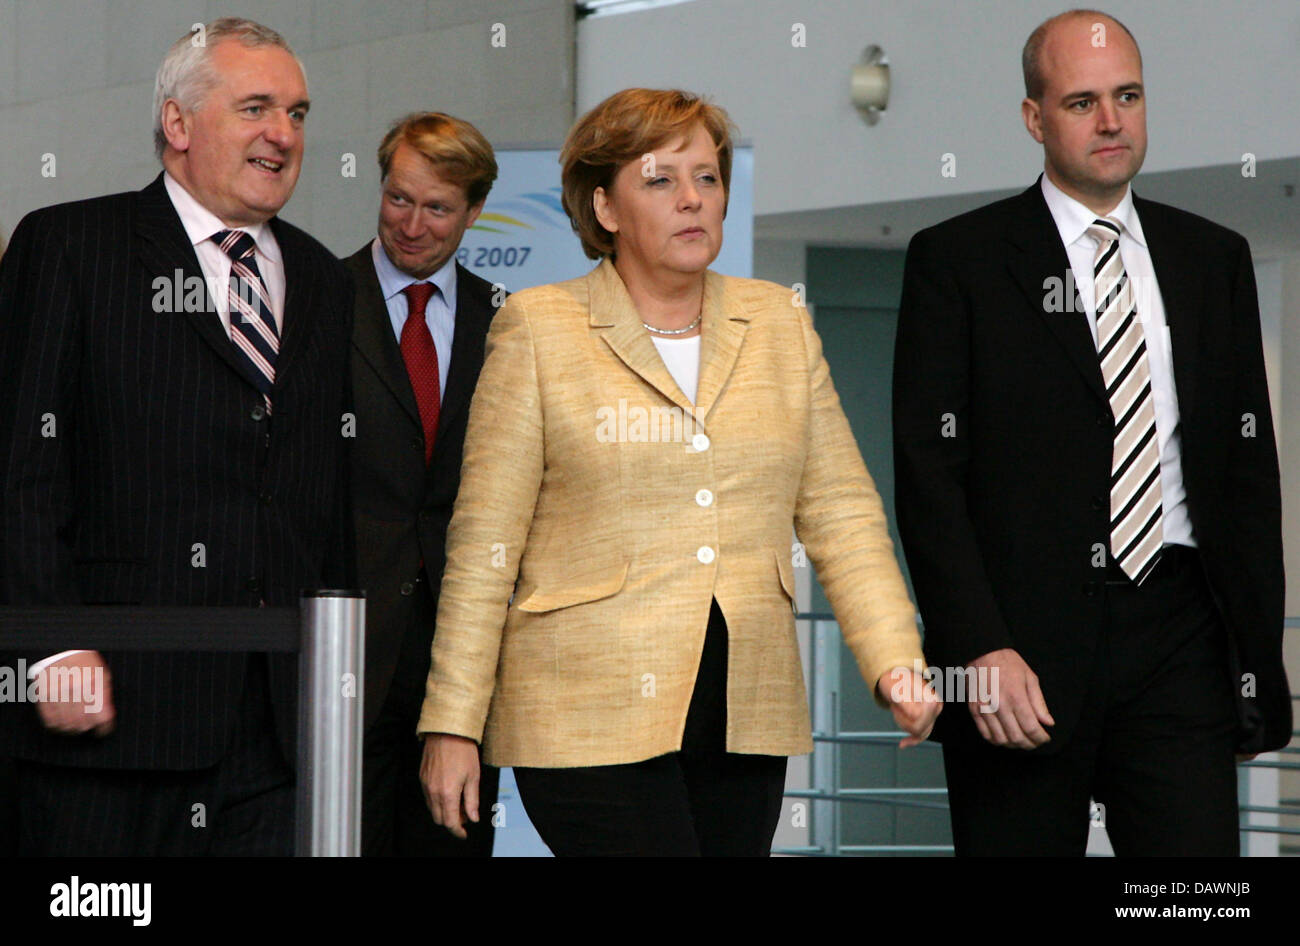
913	701
449	773
76	696
1010	709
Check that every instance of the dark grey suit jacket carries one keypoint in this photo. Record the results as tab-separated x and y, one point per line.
401	507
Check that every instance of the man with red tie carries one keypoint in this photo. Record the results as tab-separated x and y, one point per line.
418	340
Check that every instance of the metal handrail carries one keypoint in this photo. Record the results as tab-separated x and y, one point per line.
850	795
873	739
1263	764
899	848
1267	829
1271	810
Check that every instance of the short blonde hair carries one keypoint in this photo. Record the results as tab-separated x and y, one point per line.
621	129
457	150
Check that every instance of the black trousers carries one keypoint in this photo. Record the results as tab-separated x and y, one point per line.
701	801
1154	745
395	819
243	806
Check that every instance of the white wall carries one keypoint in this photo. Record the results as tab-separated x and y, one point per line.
76	81
1221	80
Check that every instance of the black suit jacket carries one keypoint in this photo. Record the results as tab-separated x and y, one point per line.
999	521
401	507
162	445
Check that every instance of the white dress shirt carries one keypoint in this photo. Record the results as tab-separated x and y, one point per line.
682	359
439	314
200	224
1072	221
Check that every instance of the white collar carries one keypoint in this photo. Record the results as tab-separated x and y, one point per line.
392	280
200	223
1073	218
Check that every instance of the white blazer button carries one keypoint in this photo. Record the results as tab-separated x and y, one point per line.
705	554
704	497
700	442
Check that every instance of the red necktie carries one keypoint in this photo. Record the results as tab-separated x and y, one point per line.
421	359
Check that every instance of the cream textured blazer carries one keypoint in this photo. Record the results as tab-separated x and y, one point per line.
614	511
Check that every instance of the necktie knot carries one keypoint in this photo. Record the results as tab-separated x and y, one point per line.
1105	231
418	295
237	244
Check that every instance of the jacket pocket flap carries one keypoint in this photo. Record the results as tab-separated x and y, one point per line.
587	588
785	569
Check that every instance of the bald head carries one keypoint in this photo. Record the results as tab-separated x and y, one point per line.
1086	105
1095	25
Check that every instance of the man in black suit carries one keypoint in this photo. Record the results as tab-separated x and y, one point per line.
175	366
417	346
1088	489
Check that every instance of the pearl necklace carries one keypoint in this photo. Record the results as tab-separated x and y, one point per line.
673	331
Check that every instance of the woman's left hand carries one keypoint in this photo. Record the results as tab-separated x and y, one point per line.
913	701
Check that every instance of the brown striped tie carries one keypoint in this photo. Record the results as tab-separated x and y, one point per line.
1135	502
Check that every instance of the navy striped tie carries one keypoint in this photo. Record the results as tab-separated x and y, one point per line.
252	325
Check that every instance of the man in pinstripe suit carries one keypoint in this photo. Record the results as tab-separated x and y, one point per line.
162	445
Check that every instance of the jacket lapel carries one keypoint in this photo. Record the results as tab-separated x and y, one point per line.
166	252
1039	256
722	328
373	334
614	315
473	313
300	287
1180	292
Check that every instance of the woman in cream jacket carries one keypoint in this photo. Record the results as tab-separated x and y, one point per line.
615	619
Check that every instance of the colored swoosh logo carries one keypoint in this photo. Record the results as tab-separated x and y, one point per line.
531	211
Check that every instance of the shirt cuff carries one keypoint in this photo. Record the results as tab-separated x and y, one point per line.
40	665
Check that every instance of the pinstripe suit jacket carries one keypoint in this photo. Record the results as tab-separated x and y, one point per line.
164	482
615	511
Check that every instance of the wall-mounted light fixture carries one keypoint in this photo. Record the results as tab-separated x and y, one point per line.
869	85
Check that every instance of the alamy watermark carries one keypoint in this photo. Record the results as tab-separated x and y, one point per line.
181	293
951	684
54	684
636	424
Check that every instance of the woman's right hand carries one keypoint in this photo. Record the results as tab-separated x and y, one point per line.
449	773
914	702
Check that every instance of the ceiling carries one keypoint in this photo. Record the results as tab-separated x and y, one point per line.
1260	208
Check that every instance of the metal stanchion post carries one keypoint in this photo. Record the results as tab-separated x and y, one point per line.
331	675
